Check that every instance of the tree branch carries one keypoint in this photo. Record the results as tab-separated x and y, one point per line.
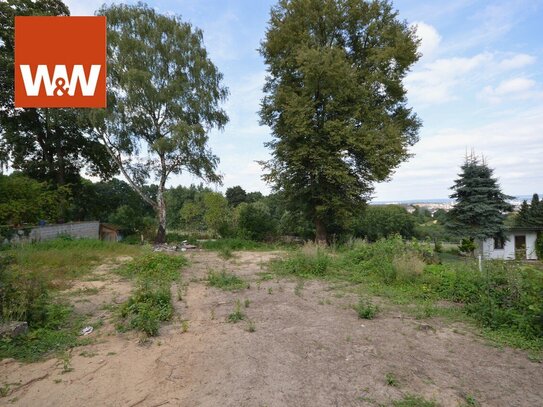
119	161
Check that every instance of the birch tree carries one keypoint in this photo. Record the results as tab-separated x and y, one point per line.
164	97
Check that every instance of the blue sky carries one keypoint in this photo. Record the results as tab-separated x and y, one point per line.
479	85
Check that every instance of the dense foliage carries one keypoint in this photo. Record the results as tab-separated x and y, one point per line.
51	145
336	103
164	96
481	207
384	221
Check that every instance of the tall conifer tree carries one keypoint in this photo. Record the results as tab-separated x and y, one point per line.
481	207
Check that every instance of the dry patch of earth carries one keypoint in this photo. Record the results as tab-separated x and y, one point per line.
308	348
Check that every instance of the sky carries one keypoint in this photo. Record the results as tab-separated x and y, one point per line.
478	87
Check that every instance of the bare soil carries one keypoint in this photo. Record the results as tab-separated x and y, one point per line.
309	348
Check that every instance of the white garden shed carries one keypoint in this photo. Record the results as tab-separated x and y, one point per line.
519	244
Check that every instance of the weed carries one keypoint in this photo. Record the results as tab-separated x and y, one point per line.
311	261
247	302
298	288
270	290
4	390
225	281
185	326
87	354
366	309
226	252
251	327
151	303
66	364
237	315
212	314
391	380
56	332
470	401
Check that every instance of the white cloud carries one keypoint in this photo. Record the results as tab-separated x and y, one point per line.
445	79
435	81
516	61
512	146
84	8
515	88
430	39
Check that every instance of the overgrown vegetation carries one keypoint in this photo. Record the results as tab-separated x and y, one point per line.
30	275
506	300
151	303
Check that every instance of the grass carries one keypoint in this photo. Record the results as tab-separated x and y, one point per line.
414	401
151	303
229	245
65	259
31	276
57	333
504	302
225	281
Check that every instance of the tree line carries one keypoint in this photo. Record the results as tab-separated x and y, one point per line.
334	101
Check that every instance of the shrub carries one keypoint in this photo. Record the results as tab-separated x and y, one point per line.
366	309
408	266
255	221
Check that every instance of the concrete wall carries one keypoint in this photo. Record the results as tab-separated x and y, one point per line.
508	251
78	230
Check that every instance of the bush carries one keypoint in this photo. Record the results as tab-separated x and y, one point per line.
23	295
505	296
384	221
147	308
408	266
366	309
539	246
391	259
255	221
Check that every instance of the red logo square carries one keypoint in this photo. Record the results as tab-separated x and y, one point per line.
60	62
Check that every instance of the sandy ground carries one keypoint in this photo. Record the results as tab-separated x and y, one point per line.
309	349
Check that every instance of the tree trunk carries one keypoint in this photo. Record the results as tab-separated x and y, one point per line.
161	212
320	232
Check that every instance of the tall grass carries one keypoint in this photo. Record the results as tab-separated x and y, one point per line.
506	298
66	258
29	276
151	303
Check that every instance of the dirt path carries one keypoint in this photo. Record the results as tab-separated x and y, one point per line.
309	349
